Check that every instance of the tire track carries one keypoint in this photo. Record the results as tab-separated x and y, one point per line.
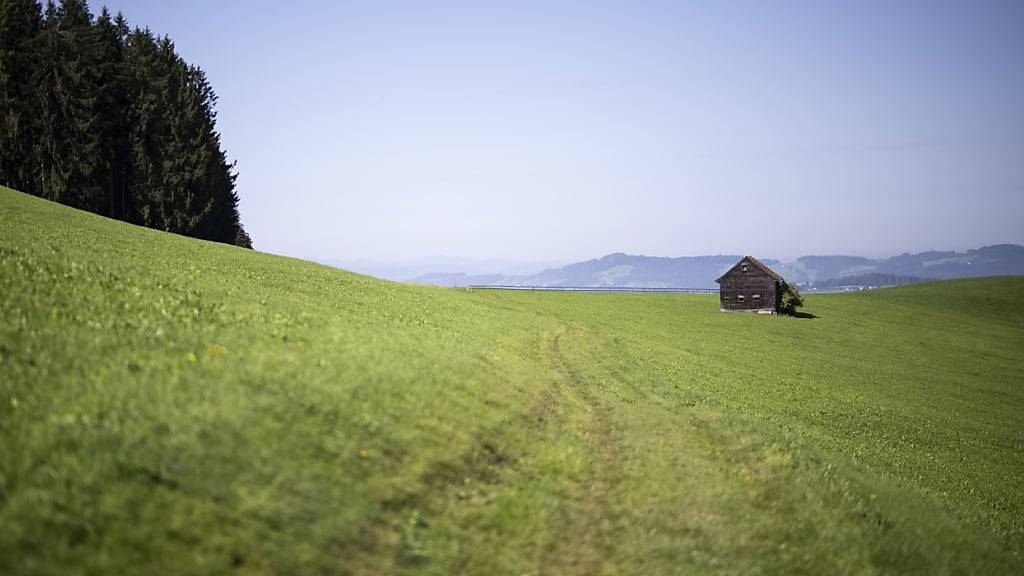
590	529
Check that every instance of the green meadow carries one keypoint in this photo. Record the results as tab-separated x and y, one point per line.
174	406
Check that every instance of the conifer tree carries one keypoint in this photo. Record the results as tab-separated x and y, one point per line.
68	141
20	22
111	120
146	77
110	104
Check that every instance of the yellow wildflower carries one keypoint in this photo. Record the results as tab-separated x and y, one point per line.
216	350
191	356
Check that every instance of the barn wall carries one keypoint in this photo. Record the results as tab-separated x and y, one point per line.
747	284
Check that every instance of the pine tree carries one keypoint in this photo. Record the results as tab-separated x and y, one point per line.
111	102
146	81
68	140
20	22
111	120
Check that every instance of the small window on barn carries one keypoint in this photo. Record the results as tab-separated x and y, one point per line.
743	268
756	296
740	298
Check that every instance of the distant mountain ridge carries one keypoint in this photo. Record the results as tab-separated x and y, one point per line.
628	270
612	270
867	280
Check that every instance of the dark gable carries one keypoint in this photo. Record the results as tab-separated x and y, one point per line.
750	286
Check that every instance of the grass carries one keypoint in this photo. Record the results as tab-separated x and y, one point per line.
174	406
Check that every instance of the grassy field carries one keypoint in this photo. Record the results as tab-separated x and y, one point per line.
171	406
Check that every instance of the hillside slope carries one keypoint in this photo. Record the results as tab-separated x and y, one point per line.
175	406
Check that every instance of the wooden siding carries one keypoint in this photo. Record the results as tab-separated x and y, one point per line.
739	286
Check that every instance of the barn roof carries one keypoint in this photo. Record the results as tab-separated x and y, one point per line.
757	264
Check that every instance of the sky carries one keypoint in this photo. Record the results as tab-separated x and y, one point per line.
560	131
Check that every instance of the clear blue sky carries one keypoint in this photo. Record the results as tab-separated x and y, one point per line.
566	130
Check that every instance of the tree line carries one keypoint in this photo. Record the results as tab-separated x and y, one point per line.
108	118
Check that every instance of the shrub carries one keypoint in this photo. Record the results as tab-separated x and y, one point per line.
790	300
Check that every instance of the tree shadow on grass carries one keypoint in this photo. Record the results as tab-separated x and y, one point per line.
802	315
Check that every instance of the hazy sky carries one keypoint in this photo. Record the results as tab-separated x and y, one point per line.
567	130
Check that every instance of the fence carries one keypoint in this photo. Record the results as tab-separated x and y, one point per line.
594	289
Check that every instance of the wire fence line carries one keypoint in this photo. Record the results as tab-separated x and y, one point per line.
593	289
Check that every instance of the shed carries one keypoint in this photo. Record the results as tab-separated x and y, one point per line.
750	286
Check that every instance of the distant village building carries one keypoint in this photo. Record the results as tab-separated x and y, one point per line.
750	286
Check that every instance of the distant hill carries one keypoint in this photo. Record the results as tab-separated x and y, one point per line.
642	271
700	271
818	268
996	260
440	270
868	280
612	270
459	279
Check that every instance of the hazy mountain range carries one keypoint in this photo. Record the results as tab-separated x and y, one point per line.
413	269
700	271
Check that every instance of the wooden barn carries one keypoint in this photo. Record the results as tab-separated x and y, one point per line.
750	286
